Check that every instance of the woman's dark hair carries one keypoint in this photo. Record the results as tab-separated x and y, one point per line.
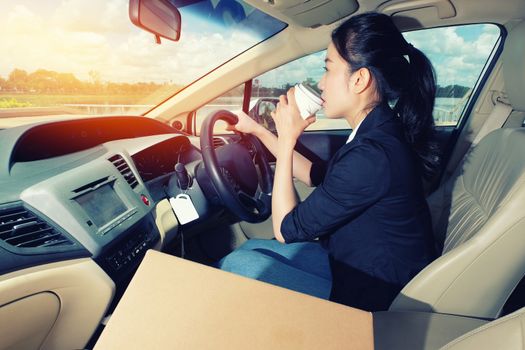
401	72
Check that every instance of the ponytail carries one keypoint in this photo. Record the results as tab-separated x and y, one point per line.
415	105
402	73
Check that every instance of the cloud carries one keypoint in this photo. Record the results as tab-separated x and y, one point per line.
78	37
23	21
34	42
178	63
310	66
457	59
94	15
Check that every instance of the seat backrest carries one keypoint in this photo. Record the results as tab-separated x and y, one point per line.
479	216
483	187
506	333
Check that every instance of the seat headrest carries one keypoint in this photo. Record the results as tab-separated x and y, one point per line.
514	67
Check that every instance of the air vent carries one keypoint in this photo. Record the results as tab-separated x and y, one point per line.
218	142
124	169
23	229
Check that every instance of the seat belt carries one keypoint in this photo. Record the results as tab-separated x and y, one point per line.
497	118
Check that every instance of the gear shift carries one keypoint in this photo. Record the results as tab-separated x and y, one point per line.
183	178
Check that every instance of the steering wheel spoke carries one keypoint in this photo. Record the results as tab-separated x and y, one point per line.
263	200
252	149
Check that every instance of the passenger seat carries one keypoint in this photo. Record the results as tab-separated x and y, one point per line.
507	333
479	219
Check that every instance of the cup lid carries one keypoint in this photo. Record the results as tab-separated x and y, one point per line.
310	92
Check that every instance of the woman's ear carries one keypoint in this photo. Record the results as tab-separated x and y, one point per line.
360	80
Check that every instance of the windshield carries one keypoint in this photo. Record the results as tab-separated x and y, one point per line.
86	57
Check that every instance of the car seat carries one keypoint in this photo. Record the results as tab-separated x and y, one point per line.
479	218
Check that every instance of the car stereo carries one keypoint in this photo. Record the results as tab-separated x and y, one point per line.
101	205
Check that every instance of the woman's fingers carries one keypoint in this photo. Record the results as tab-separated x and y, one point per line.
231	127
288	121
283	100
310	120
290	94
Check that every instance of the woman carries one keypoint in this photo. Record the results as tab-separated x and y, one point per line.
368	211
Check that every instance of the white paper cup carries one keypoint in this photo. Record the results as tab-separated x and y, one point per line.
308	100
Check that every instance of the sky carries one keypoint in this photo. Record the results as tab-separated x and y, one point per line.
457	53
79	36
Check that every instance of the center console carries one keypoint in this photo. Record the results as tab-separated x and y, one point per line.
98	205
124	255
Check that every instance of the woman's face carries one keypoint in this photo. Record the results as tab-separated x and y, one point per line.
337	96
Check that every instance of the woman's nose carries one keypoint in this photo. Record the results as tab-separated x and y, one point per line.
320	84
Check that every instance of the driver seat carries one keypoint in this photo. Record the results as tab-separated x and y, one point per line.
479	214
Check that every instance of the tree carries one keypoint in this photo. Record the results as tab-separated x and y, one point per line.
17	80
68	82
311	82
42	81
47	81
94	76
456	91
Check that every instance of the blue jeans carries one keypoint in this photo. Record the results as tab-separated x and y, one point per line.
302	267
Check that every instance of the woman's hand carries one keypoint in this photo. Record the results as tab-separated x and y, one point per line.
288	121
245	124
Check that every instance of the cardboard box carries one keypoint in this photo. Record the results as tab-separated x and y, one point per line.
177	304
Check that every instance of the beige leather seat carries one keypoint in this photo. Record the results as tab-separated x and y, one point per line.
507	333
483	256
479	215
395	330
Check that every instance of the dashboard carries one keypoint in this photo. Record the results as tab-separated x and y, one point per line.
88	188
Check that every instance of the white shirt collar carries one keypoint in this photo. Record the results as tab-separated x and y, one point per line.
352	135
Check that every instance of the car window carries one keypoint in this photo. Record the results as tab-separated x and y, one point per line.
230	101
458	54
266	92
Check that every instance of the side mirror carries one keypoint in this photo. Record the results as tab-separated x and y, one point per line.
159	17
260	110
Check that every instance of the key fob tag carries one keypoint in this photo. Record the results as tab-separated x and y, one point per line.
184	209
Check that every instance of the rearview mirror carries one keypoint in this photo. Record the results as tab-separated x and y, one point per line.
159	17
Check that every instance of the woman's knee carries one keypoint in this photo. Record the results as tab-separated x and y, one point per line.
254	244
247	263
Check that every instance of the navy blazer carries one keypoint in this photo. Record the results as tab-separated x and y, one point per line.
369	211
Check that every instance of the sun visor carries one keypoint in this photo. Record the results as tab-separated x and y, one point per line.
415	14
314	13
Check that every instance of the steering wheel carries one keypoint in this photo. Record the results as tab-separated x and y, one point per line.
231	168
